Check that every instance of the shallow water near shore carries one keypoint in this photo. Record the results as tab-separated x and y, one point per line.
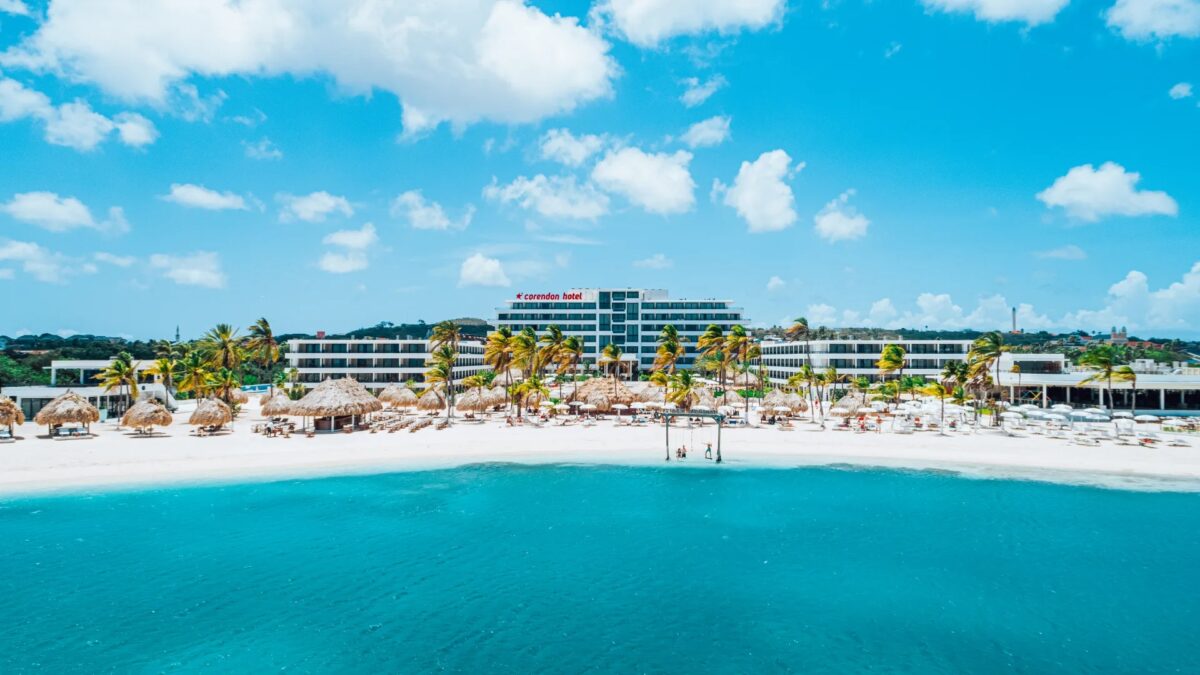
508	568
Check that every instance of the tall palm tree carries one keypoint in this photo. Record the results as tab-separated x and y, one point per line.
710	345
570	354
526	352
611	356
447	335
166	370
223	384
799	331
165	349
1105	360
984	356
739	348
667	355
1125	374
939	391
891	360
121	375
441	372
681	389
498	353
222	347
262	346
528	387
194	375
553	341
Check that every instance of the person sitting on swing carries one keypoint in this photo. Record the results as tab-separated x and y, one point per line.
708	451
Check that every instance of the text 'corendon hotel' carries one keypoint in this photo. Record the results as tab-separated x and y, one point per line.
629	317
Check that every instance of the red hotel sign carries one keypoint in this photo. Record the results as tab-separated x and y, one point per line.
576	295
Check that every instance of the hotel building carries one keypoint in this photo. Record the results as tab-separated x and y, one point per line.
628	317
854	358
1046	379
374	362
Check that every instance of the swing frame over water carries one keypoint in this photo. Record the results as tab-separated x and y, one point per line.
668	414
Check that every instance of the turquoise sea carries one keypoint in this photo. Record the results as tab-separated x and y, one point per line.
508	569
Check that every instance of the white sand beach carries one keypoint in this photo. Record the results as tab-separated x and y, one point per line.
119	458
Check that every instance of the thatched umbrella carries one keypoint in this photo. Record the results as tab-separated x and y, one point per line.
10	413
495	397
775	397
473	401
66	409
277	406
616	392
703	397
796	402
146	414
211	412
336	398
432	399
391	394
239	397
731	397
600	400
262	400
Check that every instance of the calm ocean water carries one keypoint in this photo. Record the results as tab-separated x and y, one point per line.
568	569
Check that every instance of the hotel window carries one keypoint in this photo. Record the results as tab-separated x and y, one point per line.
605	299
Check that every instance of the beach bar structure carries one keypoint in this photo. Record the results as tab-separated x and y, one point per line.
1046	379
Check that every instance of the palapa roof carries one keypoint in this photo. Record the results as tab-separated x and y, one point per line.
850	404
473	400
211	412
599	400
66	409
277	405
775	397
239	396
146	413
795	402
10	413
616	392
396	395
432	399
731	397
495	396
703	397
335	398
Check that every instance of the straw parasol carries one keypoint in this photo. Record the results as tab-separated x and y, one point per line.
10	413
336	398
211	412
432	399
147	413
796	402
267	396
850	404
66	409
278	405
775	397
240	397
703	398
393	394
616	392
473	401
600	401
731	397
495	397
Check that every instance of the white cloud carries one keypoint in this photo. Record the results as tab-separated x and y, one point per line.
458	61
658	261
51	212
1031	12
552	197
1131	302
560	145
646	23
709	132
760	193
200	197
1068	252
697	91
567	239
115	260
1090	194
839	220
202	268
263	148
480	270
343	263
821	314
1155	19
353	239
427	215
775	283
41	264
313	207
74	125
13	7
882	312
135	130
658	182
1180	90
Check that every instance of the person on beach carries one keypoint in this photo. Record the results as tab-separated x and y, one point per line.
708	451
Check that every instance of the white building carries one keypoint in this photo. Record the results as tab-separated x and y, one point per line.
854	358
374	362
628	317
1046	379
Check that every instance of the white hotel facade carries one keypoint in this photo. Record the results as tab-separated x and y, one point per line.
628	317
374	362
854	358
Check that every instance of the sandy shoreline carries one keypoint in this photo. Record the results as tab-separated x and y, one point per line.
118	459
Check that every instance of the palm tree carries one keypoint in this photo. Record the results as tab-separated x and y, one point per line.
445	336
121	375
681	389
222	347
477	382
498	353
611	356
165	349
740	348
799	331
711	345
553	341
223	383
1126	374
891	360
1105	360
262	346
985	354
569	356
528	387
441	372
166	369
670	349
194	375
937	389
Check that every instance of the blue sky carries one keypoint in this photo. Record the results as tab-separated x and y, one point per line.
331	165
